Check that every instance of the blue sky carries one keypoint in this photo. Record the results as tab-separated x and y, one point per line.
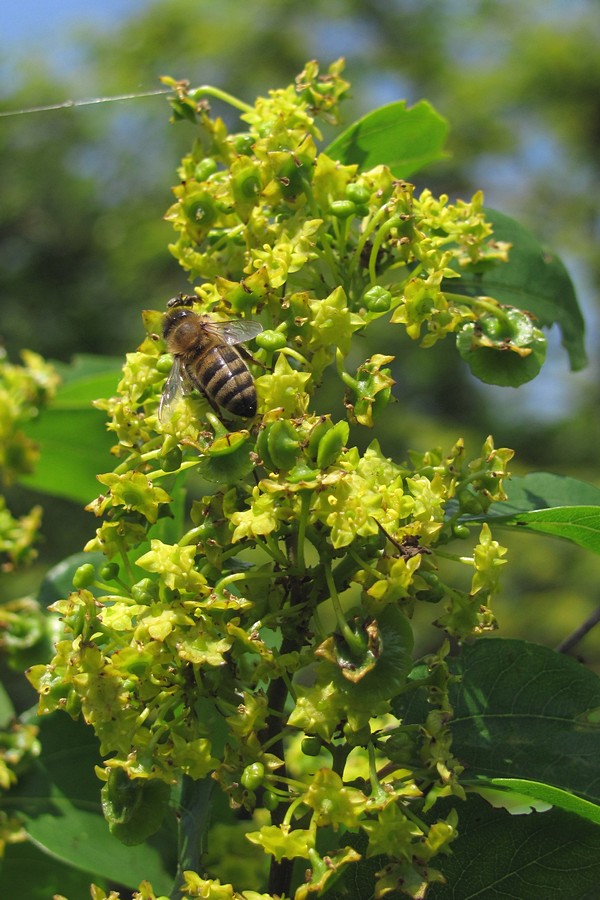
34	21
46	27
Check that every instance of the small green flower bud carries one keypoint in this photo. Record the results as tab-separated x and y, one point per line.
164	363
461	531
377	299
271	340
253	776
84	576
243	143
358	193
270	800
171	461
205	168
342	209
109	571
311	745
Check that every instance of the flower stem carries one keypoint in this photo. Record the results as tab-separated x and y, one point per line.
218	94
353	641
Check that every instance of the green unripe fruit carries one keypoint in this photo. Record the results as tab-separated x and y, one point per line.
294	175
246	183
145	591
382	398
262	449
461	531
331	444
73	704
282	443
84	576
200	209
316	435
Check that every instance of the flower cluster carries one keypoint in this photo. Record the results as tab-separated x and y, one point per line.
278	604
24	390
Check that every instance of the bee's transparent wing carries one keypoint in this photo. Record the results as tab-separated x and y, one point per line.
236	331
175	387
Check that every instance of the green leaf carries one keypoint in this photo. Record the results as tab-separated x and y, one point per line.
528	717
544	490
59	801
405	139
524	711
579	524
550	504
544	792
71	434
536	857
534	279
28	872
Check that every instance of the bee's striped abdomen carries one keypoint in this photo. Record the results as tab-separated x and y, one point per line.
224	376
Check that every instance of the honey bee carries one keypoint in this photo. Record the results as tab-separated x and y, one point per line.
205	358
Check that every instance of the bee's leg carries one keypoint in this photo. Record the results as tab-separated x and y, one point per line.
212	403
248	356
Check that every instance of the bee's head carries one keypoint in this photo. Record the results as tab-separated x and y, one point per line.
180	300
174	317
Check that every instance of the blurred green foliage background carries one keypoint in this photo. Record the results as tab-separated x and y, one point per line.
83	248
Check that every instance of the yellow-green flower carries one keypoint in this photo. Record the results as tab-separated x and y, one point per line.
133	490
175	565
488	560
284	388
